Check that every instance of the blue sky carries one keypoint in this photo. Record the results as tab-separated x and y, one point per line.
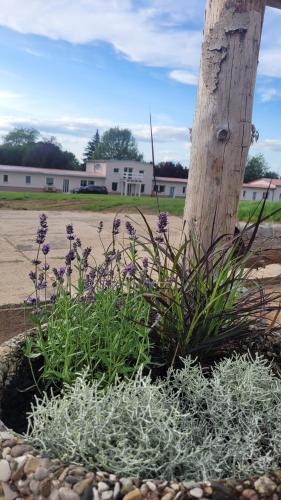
69	67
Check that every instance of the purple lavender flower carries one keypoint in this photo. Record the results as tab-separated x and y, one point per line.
78	242
129	269
45	248
69	232
41	283
59	273
36	262
70	256
68	271
42	229
53	297
145	262
85	255
100	226
30	300
32	276
116	225
45	267
162	222
130	230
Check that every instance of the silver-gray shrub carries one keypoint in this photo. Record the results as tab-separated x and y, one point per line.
187	426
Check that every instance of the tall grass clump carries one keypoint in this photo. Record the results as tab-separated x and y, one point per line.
183	426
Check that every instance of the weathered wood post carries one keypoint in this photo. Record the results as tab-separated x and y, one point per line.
221	133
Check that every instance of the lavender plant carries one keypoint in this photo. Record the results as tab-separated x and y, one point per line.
82	313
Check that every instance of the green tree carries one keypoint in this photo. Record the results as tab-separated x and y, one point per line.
117	144
21	136
91	147
257	168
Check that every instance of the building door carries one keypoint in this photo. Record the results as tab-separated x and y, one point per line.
172	192
65	186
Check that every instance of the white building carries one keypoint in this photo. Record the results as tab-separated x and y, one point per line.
130	178
260	188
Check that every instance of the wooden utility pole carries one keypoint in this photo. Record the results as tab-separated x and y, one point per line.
222	128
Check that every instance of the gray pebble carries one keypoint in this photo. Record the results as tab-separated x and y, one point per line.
102	486
67	494
5	471
107	495
40	473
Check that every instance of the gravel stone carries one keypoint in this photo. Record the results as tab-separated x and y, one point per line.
31	465
67	494
102	486
88	494
20	449
265	486
96	494
133	495
40	473
249	494
152	486
80	487
34	486
116	490
107	495
126	485
196	492
5	471
6	451
72	479
168	496
45	487
9	494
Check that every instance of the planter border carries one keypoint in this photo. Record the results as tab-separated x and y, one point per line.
27	473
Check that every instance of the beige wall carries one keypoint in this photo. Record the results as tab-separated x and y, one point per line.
111	176
172	189
247	194
16	181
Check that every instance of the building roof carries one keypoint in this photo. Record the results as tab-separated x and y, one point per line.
263	184
47	171
171	179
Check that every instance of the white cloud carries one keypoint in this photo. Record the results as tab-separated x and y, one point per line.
74	132
268	93
185	77
32	52
152	33
10	99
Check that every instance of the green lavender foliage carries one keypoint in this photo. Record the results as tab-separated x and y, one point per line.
185	426
99	335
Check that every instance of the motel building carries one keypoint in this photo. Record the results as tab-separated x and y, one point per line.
129	178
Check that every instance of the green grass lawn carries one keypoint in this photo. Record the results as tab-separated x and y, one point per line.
99	203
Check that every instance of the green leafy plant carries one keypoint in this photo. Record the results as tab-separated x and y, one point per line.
183	426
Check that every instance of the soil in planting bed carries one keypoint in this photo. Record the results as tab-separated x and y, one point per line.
20	393
14	319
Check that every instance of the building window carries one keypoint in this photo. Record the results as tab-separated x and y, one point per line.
114	186
141	171
49	181
280	196
184	190
83	183
142	188
161	189
116	170
264	195
28	179
254	195
244	194
130	170
91	183
5	178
